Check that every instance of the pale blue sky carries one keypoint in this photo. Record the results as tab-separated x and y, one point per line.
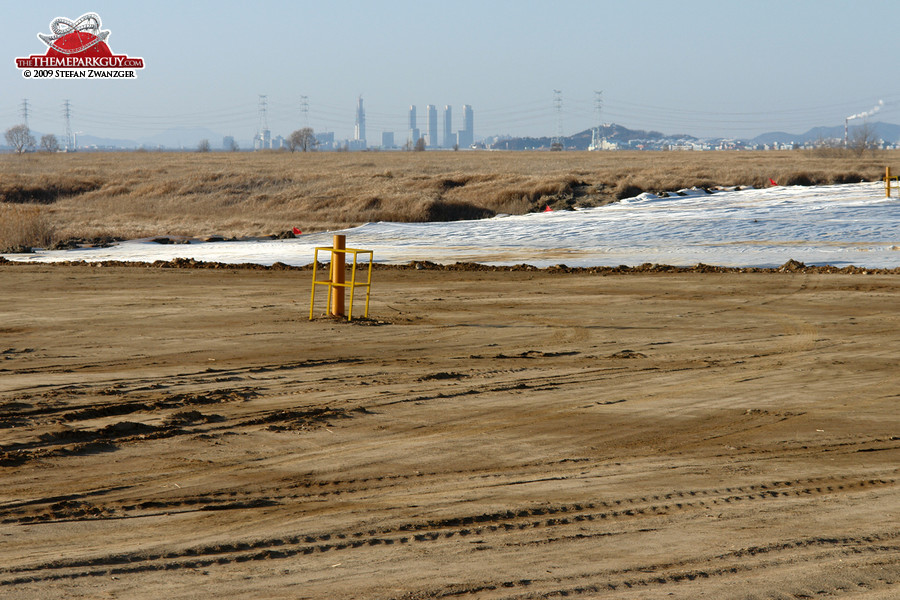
704	67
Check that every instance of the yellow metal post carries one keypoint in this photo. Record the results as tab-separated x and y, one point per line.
887	182
337	281
312	293
352	287
337	276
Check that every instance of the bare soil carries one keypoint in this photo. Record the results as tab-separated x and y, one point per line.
187	433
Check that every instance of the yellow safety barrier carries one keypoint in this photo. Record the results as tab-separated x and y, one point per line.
336	282
887	181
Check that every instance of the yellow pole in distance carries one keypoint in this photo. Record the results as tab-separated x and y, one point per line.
312	293
337	276
369	286
352	286
887	181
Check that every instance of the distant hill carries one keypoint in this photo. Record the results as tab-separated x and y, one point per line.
886	131
187	138
625	137
102	142
581	140
182	137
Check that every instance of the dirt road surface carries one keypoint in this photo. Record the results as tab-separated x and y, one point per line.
186	433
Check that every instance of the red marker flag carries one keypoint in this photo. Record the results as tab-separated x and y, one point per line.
772	181
548	209
297	231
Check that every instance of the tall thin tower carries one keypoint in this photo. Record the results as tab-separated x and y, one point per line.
431	126
67	113
304	109
360	132
413	136
596	142
449	138
263	135
557	143
24	111
466	136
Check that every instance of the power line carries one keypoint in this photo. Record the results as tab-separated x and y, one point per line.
23	111
536	115
263	113
557	144
262	132
67	113
595	134
304	109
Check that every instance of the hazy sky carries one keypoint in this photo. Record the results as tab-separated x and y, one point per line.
717	67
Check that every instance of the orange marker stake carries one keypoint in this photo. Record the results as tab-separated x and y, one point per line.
337	276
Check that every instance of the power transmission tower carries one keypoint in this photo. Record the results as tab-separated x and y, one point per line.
263	134
557	143
304	108
67	113
595	135
24	111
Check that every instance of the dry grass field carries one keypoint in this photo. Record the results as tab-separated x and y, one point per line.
140	194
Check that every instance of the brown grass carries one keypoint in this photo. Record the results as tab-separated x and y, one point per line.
143	194
23	227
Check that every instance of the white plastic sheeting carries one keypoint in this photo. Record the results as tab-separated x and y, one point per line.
840	225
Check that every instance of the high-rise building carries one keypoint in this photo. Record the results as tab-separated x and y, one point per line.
325	140
387	139
263	140
449	139
431	126
413	136
360	131
466	135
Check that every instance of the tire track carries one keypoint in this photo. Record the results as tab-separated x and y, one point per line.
879	574
526	520
749	559
655	504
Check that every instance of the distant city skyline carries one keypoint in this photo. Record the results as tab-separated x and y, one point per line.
702	67
454	134
464	137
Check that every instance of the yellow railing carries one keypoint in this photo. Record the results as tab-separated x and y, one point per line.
336	280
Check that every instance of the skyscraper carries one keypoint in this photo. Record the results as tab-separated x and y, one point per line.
449	139
263	139
360	131
431	126
466	135
413	130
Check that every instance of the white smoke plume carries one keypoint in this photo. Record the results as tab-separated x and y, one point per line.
868	114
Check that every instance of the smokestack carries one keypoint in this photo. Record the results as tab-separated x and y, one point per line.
864	115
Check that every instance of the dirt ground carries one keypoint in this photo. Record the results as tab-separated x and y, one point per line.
187	433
